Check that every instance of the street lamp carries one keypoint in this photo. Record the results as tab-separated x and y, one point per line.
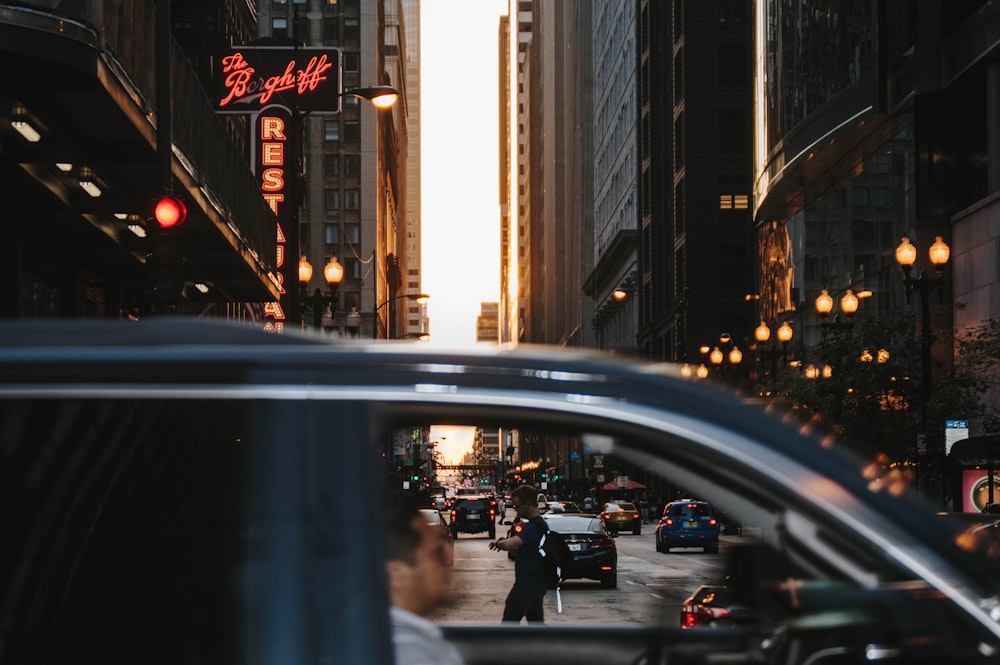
419	297
333	273
906	257
381	96
784	335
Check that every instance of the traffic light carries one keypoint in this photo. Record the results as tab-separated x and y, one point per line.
169	212
165	261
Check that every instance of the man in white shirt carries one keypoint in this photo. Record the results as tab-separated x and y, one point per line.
418	573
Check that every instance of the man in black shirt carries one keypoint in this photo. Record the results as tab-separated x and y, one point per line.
525	597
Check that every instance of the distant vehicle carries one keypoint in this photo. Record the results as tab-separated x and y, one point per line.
561	507
473	514
621	516
688	523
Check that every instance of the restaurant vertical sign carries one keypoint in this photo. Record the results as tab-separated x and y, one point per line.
276	86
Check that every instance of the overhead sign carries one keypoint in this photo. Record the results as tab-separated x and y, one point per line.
249	78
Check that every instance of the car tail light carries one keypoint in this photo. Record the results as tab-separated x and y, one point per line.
712	522
635	516
493	514
668	521
606	516
453	515
517	528
693	615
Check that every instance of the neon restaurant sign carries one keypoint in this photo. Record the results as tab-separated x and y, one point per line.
249	78
275	85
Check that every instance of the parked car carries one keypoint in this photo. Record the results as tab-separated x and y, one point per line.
208	492
593	549
474	514
688	523
621	516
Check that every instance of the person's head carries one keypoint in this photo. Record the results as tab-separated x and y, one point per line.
418	556
524	500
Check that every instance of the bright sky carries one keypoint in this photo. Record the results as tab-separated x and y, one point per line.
460	161
459	139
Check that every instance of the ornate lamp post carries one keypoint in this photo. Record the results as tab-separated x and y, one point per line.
784	335
848	305
906	257
333	273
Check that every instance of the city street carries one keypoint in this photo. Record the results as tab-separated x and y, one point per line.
650	588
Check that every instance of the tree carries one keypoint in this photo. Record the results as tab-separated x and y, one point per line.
872	398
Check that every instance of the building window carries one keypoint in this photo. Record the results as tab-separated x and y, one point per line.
279	27
352	233
731	65
352	31
331	166
352	199
331	131
331	234
331	31
352	63
352	165
732	131
352	131
331	200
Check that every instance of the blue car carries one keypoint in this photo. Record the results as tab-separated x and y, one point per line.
688	523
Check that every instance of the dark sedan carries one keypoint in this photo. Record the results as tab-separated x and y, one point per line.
595	556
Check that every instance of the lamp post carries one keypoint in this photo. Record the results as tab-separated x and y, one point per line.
848	306
726	354
906	257
419	297
333	273
784	334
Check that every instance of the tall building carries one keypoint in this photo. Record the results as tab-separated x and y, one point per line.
867	136
694	176
551	179
487	326
354	162
416	322
613	284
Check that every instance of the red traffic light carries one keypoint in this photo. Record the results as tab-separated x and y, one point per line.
169	212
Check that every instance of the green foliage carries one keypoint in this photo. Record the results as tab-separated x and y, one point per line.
878	407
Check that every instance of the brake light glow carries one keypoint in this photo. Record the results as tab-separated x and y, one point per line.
712	521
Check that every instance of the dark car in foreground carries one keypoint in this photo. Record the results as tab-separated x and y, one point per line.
193	491
688	523
591	547
474	514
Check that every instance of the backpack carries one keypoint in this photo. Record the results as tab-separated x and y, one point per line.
554	552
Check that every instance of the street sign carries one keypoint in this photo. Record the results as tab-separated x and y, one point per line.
954	431
621	481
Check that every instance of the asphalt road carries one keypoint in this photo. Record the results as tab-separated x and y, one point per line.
650	588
